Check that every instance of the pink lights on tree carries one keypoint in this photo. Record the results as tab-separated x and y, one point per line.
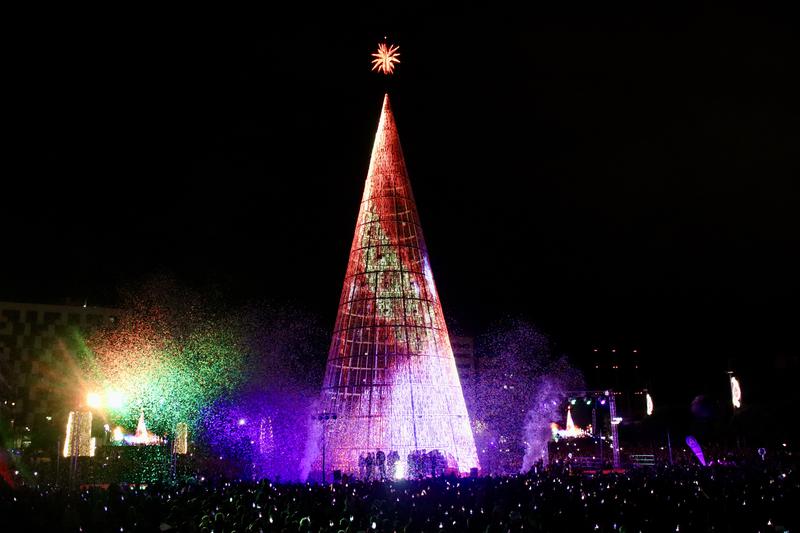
391	377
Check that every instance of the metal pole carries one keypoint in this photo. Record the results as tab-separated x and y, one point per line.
58	459
614	429
595	432
669	448
73	471
602	451
323	417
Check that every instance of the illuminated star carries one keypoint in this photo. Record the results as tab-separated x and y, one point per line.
385	58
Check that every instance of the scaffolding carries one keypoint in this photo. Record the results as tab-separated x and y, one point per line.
608	395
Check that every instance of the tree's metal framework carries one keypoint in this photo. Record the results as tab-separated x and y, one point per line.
391	378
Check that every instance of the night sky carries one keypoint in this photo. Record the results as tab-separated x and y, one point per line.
619	178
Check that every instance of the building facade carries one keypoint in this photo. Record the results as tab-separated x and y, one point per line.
36	362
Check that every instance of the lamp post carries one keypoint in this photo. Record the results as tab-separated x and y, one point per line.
324	417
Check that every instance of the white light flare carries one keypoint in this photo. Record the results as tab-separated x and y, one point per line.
93	400
115	399
736	393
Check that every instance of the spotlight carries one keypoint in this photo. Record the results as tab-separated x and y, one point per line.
572	401
93	400
242	421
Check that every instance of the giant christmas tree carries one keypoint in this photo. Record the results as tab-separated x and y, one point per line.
391	378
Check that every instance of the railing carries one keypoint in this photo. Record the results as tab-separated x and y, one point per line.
642	460
587	463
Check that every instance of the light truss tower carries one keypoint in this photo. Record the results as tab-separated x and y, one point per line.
391	378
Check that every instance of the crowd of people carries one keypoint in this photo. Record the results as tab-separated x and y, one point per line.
757	497
382	466
377	465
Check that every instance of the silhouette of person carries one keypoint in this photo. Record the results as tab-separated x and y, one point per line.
391	463
370	466
380	458
362	465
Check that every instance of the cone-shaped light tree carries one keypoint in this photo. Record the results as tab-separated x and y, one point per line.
391	378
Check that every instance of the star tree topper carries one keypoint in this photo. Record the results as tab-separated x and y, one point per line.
385	58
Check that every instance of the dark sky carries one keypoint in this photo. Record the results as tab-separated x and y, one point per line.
625	178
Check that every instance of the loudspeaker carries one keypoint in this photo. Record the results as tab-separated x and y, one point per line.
473	472
337	476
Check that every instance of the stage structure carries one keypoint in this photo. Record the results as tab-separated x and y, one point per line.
596	400
391	378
